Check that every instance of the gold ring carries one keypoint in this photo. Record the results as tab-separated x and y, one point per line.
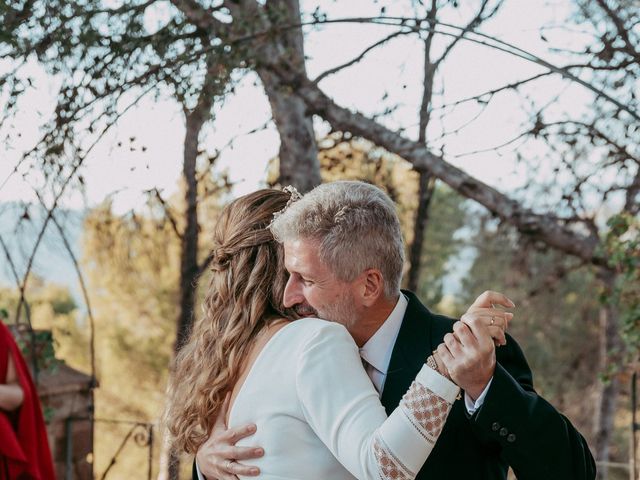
493	320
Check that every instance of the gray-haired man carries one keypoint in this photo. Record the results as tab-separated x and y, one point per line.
344	252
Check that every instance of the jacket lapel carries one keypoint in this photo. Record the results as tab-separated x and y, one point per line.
413	345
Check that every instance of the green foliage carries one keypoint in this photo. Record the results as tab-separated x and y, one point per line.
106	56
38	348
447	216
622	248
57	334
556	318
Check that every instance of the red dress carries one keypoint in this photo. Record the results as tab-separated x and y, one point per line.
24	448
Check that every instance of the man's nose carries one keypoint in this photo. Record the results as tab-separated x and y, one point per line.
292	293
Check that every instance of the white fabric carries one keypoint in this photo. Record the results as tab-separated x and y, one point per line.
473	406
319	416
200	476
445	390
378	349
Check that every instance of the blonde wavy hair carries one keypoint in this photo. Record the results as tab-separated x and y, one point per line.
243	297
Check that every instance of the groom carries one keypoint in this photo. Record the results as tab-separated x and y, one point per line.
344	253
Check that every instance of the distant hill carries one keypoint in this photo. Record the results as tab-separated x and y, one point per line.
20	226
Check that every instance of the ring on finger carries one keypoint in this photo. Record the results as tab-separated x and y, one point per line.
229	463
493	320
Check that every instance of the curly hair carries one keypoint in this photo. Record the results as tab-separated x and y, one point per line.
243	297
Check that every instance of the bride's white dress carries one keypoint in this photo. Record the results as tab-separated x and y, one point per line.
319	416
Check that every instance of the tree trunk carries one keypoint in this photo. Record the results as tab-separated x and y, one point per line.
189	268
188	249
299	165
610	350
426	182
298	153
427	187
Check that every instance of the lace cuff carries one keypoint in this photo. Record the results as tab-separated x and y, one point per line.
425	408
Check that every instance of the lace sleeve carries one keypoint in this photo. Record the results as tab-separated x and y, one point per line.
341	405
427	413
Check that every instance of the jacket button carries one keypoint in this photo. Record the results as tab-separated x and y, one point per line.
511	438
503	432
495	427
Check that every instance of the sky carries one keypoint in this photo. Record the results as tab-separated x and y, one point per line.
124	173
388	76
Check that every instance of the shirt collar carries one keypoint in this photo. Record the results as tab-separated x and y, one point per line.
377	351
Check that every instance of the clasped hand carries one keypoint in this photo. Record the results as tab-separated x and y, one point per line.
469	353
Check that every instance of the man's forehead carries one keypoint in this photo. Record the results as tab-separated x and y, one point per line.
301	245
301	254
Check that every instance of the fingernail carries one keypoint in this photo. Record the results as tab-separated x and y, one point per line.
259	451
254	471
512	304
251	428
509	315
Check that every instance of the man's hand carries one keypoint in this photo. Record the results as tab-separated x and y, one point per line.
469	352
217	458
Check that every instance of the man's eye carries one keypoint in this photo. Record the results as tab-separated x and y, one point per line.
307	282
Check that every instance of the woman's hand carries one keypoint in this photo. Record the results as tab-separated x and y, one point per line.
469	352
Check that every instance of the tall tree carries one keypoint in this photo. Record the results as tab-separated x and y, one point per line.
427	180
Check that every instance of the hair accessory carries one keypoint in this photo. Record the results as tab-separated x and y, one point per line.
294	196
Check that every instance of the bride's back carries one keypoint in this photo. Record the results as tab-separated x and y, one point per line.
272	397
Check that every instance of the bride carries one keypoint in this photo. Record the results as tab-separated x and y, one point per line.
301	381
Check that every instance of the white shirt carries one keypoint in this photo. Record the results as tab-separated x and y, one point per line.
378	349
317	411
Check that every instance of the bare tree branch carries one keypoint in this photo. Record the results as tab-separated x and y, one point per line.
429	76
167	211
355	60
7	254
58	196
621	30
202	17
83	288
547	228
632	200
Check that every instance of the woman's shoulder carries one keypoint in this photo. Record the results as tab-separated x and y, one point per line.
312	331
311	325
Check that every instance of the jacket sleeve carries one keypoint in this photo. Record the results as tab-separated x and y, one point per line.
341	405
535	439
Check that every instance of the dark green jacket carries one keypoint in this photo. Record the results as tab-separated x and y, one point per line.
514	428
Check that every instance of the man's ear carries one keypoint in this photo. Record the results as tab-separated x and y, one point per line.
372	286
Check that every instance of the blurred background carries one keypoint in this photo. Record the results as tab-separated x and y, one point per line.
506	131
